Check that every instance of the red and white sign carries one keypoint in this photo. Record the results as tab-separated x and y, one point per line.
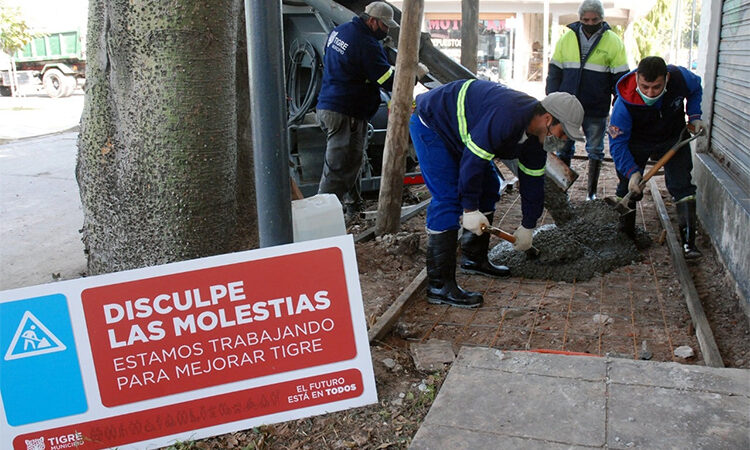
210	346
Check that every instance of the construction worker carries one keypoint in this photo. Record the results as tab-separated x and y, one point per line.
588	60
457	129
648	118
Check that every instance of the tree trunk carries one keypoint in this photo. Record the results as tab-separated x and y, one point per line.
164	155
397	135
469	34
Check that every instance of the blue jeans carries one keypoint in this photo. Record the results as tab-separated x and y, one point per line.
676	171
593	128
440	168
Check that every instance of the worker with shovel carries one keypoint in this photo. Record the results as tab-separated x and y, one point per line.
457	129
648	119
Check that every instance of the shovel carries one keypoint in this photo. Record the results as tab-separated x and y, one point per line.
622	206
533	252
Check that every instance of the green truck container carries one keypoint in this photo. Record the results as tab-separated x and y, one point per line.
58	60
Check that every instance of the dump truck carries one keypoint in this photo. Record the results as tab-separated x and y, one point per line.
56	60
307	24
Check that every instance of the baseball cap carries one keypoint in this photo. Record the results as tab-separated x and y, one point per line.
382	11
568	110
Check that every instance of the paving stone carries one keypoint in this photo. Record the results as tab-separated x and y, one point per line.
591	368
569	411
680	376
443	437
656	417
433	354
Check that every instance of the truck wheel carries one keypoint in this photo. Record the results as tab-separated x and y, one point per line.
58	85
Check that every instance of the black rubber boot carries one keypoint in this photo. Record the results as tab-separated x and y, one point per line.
595	166
687	220
627	221
441	273
474	254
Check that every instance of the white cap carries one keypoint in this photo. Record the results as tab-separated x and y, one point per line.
568	110
381	11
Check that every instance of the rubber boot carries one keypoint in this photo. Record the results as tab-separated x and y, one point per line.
474	254
687	220
441	273
595	166
627	221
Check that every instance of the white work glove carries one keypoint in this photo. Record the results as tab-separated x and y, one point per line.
422	70
634	186
523	238
695	126
473	221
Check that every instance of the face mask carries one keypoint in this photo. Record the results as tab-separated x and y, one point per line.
380	34
650	100
552	143
591	29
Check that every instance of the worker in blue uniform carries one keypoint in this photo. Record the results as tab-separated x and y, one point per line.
355	69
648	119
588	60
457	129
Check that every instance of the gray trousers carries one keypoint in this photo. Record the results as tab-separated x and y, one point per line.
343	161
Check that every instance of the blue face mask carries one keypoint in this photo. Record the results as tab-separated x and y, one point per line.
650	100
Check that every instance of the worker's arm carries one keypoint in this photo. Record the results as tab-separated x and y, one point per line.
531	162
694	94
618	66
555	70
377	68
619	131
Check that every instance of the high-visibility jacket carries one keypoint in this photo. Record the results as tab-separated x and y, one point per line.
355	67
592	80
478	120
634	121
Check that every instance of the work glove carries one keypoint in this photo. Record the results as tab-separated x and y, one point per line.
634	186
695	126
523	238
422	70
473	221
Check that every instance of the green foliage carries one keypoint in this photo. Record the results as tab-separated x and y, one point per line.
653	32
14	33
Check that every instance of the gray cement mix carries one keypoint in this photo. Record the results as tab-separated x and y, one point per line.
583	242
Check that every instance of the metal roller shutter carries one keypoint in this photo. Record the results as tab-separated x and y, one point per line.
730	134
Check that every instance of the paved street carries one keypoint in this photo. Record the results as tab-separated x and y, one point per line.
39	202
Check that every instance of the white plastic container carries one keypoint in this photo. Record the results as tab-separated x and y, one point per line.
317	217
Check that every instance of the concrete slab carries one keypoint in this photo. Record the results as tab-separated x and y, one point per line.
494	399
432	355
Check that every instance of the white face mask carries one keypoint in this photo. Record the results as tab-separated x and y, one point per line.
552	143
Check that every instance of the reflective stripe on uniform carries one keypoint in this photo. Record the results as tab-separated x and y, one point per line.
385	76
530	172
463	129
686	199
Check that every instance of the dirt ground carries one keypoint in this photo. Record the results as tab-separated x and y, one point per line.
387	265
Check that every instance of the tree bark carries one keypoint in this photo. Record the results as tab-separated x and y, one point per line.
397	134
469	34
164	155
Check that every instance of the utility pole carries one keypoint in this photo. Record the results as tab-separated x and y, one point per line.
469	34
397	134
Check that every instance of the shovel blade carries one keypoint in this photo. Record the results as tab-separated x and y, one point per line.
623	209
559	172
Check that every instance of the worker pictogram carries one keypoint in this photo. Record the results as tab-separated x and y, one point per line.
32	338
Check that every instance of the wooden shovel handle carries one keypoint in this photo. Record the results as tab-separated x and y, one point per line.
499	233
666	157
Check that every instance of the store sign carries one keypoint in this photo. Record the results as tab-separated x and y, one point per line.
185	350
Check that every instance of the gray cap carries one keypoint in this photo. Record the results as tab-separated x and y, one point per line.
382	11
568	110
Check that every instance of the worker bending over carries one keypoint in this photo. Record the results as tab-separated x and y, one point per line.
647	120
457	129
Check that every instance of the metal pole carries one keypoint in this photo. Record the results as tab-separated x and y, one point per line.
265	58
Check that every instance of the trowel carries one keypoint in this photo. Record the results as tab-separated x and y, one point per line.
622	205
532	252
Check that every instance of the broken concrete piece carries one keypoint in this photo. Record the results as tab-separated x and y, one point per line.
603	319
645	354
432	355
684	351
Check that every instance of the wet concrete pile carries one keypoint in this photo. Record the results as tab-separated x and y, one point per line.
584	242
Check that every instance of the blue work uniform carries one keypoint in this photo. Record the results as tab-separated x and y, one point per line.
457	129
638	131
355	67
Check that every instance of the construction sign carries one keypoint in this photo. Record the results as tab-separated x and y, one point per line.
183	351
